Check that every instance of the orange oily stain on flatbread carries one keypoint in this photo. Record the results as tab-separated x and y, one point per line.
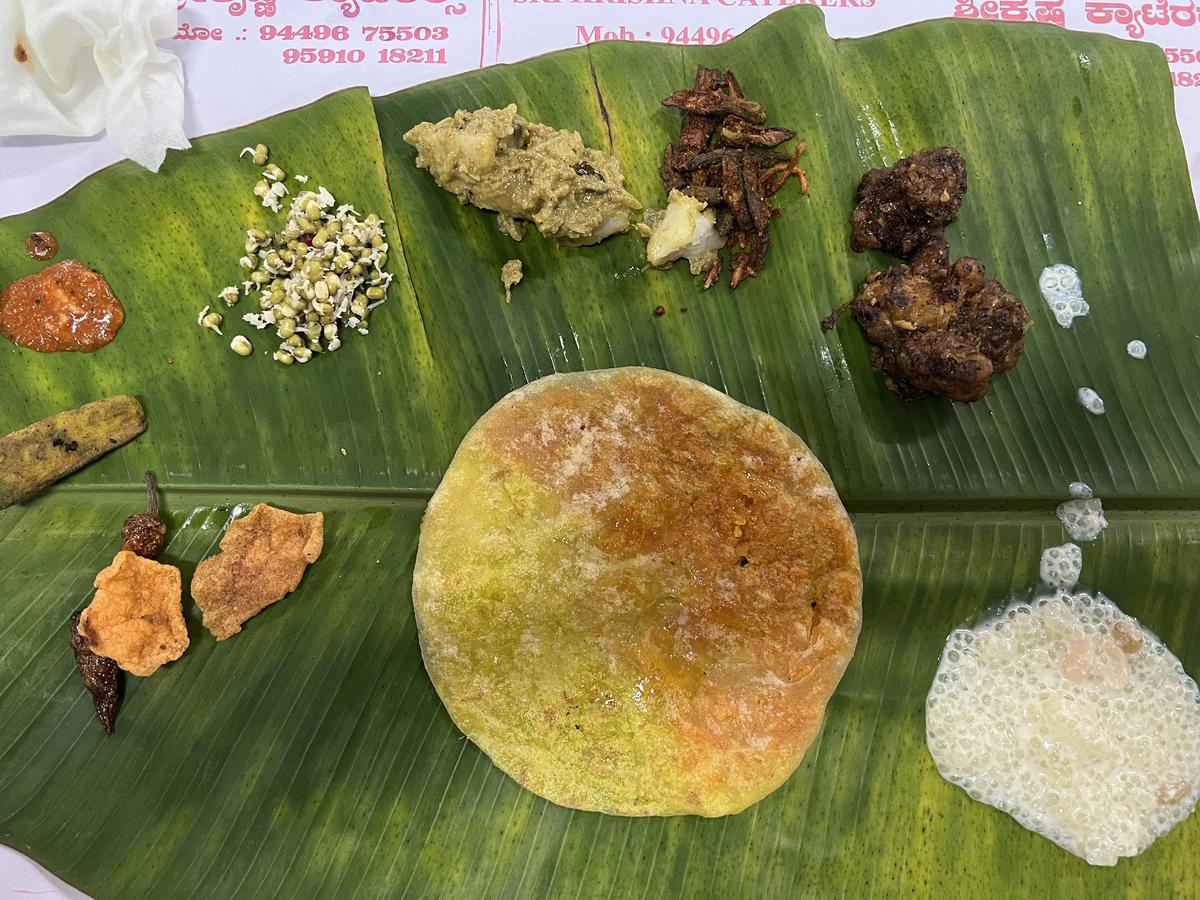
759	563
263	557
136	617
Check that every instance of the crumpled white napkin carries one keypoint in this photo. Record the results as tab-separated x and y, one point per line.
90	65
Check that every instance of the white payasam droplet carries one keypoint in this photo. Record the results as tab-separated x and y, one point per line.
1101	725
1090	400
1060	566
1136	349
1063	292
1079	490
1083	517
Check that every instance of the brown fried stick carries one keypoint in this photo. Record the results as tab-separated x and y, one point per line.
736	173
735	132
716	104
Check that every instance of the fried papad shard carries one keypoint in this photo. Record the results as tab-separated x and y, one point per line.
136	617
263	557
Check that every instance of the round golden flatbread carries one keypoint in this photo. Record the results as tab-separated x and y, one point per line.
635	594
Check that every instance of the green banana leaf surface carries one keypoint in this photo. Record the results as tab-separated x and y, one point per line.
309	755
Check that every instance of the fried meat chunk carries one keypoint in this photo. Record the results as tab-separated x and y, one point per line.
939	328
901	208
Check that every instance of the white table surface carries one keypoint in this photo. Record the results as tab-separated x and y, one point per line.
235	54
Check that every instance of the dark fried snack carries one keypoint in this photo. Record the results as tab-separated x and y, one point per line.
716	103
695	134
714	157
737	132
939	328
145	533
101	676
723	159
903	207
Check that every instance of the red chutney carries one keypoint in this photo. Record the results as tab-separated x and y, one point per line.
66	306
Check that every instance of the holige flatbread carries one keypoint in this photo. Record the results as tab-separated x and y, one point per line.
635	594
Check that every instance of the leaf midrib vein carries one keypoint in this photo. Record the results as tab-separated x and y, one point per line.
220	494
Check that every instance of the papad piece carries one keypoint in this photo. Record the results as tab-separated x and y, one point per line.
136	617
263	557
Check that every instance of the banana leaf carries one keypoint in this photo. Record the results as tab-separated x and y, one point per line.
310	756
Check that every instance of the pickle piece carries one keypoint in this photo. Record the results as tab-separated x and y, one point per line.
40	454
